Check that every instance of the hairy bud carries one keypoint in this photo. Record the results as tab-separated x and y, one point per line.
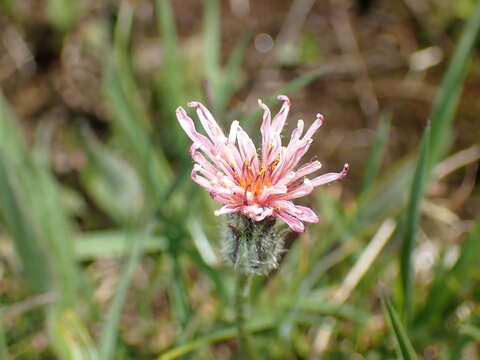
251	246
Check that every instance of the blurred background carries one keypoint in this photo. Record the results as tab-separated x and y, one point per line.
109	251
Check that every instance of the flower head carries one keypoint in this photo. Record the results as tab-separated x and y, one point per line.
257	187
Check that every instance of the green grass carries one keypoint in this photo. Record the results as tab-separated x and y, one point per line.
405	348
3	342
109	331
420	180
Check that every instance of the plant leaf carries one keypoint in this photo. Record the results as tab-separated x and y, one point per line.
378	150
109	333
71	338
447	98
420	179
404	344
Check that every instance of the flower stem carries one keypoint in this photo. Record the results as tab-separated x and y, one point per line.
242	287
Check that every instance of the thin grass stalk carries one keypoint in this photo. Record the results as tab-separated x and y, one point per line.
376	156
3	342
171	80
29	200
62	13
448	97
211	44
230	76
8	9
217	336
449	283
109	334
404	345
242	287
420	180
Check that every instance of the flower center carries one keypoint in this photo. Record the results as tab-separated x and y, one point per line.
254	181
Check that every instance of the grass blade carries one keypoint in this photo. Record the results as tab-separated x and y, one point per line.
95	245
130	117
109	334
441	118
211	45
34	214
214	337
171	81
62	13
26	240
111	181
405	347
3	342
448	284
172	71
447	99
420	180
71	337
378	150
230	75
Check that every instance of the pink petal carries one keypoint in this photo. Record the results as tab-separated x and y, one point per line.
314	127
279	120
286	206
211	176
208	122
306	214
306	169
232	136
330	177
267	118
285	179
221	195
230	185
299	191
297	155
207	165
247	148
294	224
272	191
224	165
193	149
300	212
296	134
291	158
218	160
256	212
266	212
189	127
266	133
297	148
273	146
226	209
200	180
235	157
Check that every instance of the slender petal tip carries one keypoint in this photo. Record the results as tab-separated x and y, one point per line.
320	118
193	104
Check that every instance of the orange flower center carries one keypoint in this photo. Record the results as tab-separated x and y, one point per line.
254	181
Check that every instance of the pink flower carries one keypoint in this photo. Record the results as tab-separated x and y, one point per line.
257	187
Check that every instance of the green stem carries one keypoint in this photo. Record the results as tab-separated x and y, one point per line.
242	287
3	342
